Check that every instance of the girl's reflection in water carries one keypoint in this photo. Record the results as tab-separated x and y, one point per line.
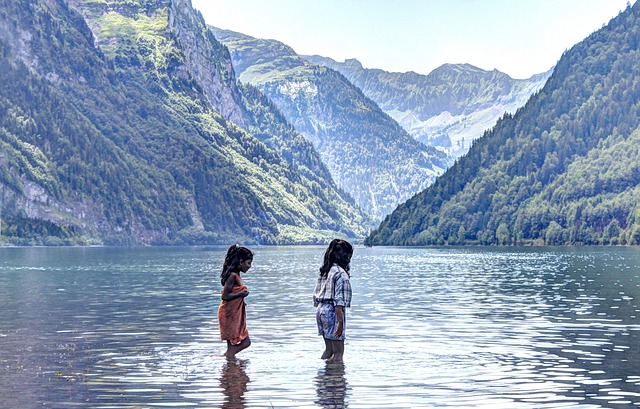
331	386
233	381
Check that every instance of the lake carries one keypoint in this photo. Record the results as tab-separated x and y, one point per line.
530	327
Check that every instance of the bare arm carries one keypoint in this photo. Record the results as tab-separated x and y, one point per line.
228	286
340	321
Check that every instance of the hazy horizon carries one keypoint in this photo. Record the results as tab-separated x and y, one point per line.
520	38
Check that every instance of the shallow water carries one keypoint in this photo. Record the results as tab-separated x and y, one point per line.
443	327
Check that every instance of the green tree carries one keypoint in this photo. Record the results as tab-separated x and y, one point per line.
502	234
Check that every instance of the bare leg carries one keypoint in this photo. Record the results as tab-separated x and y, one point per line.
328	349
338	350
232	350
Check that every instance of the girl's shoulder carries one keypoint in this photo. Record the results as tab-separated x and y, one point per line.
338	271
335	269
235	279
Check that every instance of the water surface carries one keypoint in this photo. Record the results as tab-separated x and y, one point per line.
429	327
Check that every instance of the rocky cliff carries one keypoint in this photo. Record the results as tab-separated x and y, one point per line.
122	123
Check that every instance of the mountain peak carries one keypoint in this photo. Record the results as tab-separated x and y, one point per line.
460	68
451	106
221	33
353	63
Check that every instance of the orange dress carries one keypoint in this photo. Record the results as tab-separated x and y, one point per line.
232	317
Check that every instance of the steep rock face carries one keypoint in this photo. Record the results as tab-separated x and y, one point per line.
206	60
366	151
448	108
210	64
196	54
110	138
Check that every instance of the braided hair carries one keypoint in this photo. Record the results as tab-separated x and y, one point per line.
339	252
235	255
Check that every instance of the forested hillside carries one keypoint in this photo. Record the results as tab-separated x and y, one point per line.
115	130
368	154
565	169
450	107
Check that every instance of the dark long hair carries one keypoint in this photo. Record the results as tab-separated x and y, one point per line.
339	252
235	255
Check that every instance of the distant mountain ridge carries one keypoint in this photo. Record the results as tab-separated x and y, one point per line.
564	169
448	108
370	156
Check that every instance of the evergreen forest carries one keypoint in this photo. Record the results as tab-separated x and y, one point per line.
563	170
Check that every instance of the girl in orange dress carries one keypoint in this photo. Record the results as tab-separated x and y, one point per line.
232	314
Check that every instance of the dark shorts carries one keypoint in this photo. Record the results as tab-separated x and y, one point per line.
328	321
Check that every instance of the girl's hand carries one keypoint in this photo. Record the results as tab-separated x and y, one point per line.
243	293
338	332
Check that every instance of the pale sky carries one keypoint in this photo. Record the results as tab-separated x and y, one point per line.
518	37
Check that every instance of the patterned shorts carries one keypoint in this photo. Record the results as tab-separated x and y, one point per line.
328	322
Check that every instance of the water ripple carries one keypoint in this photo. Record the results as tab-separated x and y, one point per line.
451	327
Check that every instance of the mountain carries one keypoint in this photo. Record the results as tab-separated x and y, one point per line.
450	107
122	123
368	154
564	169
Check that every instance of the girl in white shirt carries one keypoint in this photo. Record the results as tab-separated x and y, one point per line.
331	296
